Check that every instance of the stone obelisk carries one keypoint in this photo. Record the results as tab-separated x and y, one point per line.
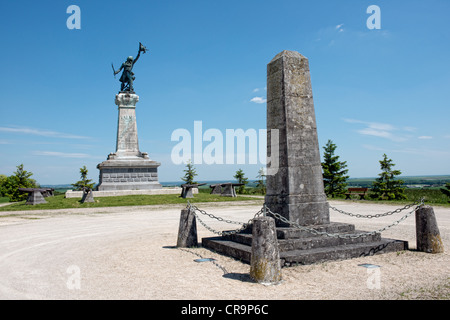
294	182
128	168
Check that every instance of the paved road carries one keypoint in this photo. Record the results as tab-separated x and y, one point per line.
127	253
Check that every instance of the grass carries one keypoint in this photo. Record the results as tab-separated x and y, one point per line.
59	202
4	199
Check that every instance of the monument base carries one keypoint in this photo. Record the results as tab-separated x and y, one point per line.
128	174
300	247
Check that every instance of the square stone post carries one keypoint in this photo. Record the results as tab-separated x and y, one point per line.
295	187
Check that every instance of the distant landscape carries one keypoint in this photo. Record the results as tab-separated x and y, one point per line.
410	182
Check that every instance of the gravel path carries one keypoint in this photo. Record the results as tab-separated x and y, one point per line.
128	253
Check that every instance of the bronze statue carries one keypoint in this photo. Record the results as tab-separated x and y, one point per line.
127	76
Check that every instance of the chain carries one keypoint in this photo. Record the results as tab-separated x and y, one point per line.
221	233
379	215
264	210
352	236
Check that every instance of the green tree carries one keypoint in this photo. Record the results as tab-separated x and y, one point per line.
2	182
260	183
387	186
20	179
190	173
240	177
446	190
334	171
84	182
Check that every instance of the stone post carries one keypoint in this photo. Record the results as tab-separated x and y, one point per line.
265	266
87	196
295	188
427	232
187	231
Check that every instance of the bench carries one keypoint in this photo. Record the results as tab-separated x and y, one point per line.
356	191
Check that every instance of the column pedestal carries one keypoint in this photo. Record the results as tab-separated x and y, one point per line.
128	168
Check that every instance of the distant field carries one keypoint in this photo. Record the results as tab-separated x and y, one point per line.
419	181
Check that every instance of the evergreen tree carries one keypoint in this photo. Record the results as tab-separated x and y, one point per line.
334	171
190	173
2	183
84	182
240	177
446	190
20	179
387	186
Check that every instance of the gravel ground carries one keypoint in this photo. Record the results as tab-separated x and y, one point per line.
129	253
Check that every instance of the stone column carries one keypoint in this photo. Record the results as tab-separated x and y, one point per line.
295	188
127	139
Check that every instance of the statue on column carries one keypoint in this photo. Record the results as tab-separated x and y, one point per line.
127	76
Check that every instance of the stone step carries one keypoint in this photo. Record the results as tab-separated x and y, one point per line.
332	227
304	257
310	243
227	247
242	252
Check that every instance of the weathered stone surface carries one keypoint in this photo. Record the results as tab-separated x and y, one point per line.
127	139
265	264
87	196
187	231
428	237
296	189
216	188
35	197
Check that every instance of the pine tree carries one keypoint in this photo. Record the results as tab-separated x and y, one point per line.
334	171
84	182
387	186
190	173
446	190
20	179
240	177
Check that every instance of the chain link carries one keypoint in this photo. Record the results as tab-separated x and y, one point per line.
379	215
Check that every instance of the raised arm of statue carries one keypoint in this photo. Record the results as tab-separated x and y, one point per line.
138	55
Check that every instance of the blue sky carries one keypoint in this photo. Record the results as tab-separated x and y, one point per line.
375	91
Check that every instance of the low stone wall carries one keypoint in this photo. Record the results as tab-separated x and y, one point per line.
113	193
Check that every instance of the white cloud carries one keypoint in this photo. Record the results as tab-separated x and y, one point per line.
255	90
339	27
61	154
425	137
258	100
41	132
381	130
